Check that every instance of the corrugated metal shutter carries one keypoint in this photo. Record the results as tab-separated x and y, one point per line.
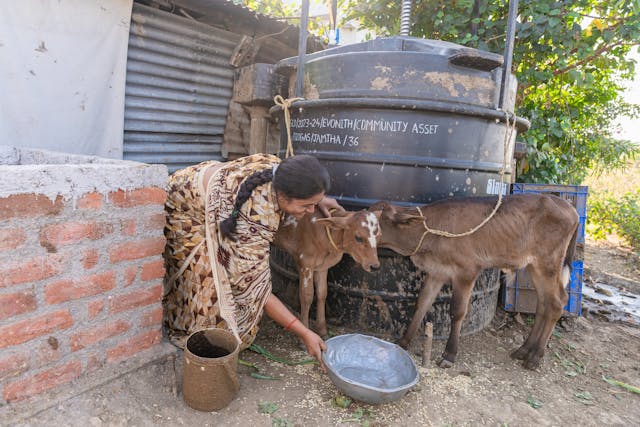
179	83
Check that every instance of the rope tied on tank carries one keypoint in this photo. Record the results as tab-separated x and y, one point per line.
286	104
507	136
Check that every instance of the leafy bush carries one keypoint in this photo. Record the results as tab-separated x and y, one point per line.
570	60
610	214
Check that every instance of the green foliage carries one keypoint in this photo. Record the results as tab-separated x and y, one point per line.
357	414
281	422
274	8
267	407
625	386
288	11
534	403
570	59
609	214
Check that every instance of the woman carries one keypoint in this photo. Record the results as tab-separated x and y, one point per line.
221	219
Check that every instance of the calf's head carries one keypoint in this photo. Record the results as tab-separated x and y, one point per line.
395	222
361	231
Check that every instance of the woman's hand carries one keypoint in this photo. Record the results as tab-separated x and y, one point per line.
315	346
278	312
327	204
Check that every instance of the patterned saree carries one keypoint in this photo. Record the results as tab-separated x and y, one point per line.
210	281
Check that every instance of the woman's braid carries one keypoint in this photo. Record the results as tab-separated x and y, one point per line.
228	226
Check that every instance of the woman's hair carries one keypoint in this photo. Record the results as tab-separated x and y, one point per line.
297	177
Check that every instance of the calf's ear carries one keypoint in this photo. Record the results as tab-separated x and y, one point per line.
404	218
383	209
395	214
378	206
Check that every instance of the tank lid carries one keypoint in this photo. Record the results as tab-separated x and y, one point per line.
407	44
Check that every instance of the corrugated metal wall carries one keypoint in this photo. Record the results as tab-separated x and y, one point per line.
179	83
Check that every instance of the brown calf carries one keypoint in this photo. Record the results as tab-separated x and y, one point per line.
536	232
317	244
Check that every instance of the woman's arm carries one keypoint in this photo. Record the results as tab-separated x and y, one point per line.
327	204
276	310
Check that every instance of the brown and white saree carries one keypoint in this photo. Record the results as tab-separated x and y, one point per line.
213	281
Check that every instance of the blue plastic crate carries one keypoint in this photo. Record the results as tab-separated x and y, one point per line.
576	194
574	289
521	297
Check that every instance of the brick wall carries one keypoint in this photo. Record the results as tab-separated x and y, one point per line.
80	283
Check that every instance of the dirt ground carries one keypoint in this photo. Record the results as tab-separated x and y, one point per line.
485	387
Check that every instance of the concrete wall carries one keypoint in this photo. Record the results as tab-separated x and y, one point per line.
81	267
62	80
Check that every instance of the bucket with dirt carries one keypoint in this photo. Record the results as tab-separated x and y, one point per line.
209	380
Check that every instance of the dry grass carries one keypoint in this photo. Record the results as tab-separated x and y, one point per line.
613	201
616	182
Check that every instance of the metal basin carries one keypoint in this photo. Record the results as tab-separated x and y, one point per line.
369	369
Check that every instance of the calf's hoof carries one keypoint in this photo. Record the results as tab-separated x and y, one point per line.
532	363
532	366
519	354
444	363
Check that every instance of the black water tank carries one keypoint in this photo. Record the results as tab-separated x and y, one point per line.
410	121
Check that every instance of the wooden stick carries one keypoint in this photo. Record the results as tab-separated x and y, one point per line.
427	342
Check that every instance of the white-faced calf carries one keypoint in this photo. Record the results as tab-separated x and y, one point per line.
317	244
536	232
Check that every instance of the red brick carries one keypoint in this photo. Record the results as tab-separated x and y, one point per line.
11	238
29	329
17	303
130	274
90	259
89	337
48	352
94	362
152	270
139	298
33	269
153	222
139	197
66	290
42	381
151	318
67	233
134	345
94	308
29	205
129	227
90	201
12	365
136	250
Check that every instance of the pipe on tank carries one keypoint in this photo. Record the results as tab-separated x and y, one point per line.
405	18
508	51
302	46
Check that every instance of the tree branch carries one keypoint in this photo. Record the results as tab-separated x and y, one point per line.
583	61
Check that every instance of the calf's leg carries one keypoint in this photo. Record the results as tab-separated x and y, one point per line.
461	292
522	353
320	278
552	297
305	291
427	295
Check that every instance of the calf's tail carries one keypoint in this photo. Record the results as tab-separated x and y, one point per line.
568	258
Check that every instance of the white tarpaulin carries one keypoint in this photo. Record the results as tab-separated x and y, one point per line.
62	74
